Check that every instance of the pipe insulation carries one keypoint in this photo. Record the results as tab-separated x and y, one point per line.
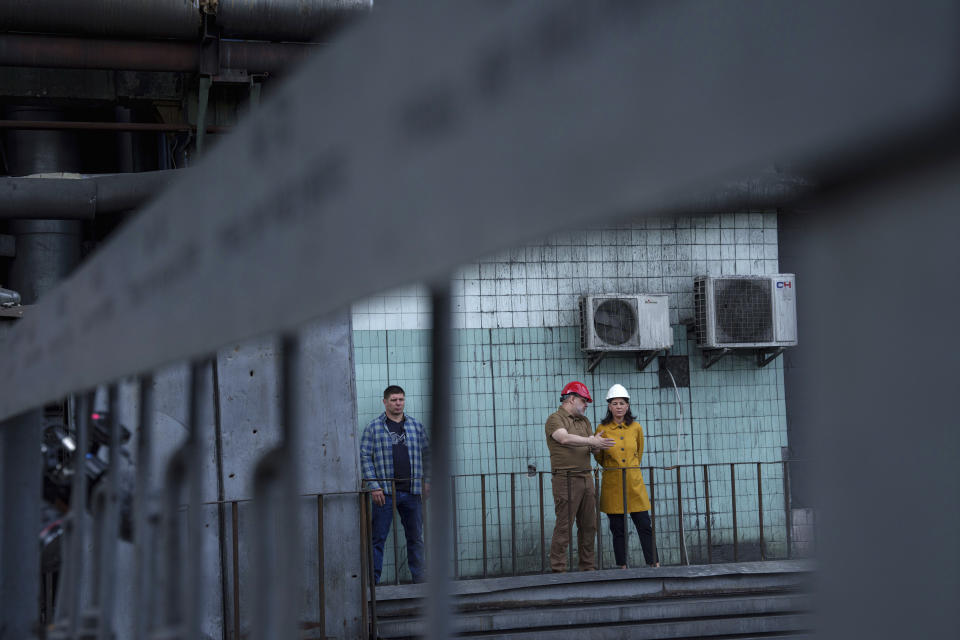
277	20
81	198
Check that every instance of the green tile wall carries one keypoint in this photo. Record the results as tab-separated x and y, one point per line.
507	382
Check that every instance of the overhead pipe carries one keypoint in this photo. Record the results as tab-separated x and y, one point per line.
73	125
277	20
79	198
64	52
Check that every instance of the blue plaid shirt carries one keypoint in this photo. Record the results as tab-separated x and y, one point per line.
376	454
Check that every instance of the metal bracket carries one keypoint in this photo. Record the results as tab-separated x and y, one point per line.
644	360
766	356
713	355
594	360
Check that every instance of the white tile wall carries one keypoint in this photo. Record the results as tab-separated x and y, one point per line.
538	285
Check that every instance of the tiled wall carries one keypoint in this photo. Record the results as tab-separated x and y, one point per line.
517	344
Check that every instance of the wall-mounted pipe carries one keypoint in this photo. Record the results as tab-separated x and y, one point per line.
79	198
277	20
64	52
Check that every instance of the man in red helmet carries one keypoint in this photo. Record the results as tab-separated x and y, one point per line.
570	441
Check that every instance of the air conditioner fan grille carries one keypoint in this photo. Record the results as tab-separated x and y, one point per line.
743	308
615	321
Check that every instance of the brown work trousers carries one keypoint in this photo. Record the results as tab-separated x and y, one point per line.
576	499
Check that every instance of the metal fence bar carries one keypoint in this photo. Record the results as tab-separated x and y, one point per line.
142	526
109	527
70	598
439	600
543	539
653	518
626	530
733	508
321	583
513	524
706	497
483	520
596	492
235	530
760	507
276	530
787	511
395	527
455	532
570	564
683	546
368	619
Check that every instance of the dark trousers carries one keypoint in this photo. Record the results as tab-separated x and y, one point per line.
411	516
641	520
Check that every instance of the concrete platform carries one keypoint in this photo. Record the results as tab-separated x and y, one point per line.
740	600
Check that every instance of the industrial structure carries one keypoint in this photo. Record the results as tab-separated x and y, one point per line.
226	226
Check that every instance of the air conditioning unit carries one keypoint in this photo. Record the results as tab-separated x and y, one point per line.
613	322
758	312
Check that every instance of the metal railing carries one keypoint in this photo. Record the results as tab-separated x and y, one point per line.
527	541
700	513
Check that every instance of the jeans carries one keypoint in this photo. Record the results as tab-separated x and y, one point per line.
409	508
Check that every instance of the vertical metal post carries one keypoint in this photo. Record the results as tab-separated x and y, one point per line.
21	496
366	571
653	517
596	492
142	529
570	564
543	540
483	520
706	497
193	574
276	529
760	507
788	513
733	507
683	546
235	526
626	531
513	523
109	527
203	97
69	598
453	516
439	599
395	526
321	594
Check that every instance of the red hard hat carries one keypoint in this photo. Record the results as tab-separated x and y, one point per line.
578	388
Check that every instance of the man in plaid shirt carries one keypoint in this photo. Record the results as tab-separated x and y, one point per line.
395	461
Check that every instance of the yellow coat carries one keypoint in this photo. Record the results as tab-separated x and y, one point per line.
627	452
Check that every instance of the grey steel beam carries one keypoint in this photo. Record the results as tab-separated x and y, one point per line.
534	118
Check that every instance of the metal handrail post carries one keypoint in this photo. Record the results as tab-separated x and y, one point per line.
626	538
143	585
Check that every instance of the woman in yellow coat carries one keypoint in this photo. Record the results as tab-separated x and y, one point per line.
625	453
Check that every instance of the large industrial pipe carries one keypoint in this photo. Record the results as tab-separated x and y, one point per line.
79	198
23	50
278	20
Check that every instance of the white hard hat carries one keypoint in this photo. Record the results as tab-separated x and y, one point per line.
617	391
